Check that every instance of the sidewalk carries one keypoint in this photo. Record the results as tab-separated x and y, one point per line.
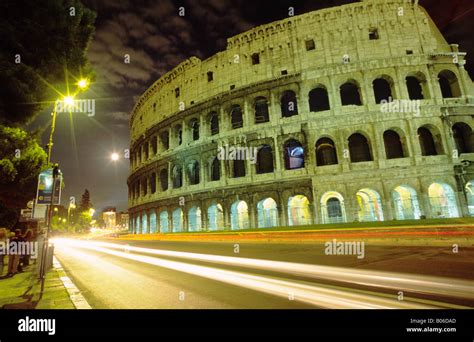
23	291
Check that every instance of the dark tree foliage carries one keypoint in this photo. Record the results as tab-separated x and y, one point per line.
21	160
49	40
85	201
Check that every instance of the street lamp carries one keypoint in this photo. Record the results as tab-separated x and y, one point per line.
83	83
114	156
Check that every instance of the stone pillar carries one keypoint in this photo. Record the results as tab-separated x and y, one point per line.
252	214
387	205
462	79
402	85
226	209
462	204
277	155
433	83
425	205
273	108
316	217
204	219
282	211
184	209
246	114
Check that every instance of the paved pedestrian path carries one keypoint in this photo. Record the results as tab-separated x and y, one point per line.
23	291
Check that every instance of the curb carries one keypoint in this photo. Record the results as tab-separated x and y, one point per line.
75	295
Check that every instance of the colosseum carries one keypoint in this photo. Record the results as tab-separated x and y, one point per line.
361	112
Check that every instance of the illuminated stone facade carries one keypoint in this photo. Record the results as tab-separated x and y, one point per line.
309	93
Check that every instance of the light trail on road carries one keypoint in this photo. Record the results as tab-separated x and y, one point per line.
314	294
400	282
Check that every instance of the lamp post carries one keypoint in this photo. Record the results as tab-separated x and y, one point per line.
82	84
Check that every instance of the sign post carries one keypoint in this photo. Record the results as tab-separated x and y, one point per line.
49	192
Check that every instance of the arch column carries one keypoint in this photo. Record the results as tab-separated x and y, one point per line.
462	203
425	204
387	205
226	208
204	217
283	211
316	217
252	213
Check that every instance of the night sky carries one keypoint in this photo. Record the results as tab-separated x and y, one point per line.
157	39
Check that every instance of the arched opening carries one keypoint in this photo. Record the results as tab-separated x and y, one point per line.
469	191
153	183
164	179
264	160
448	82
370	205
194	219
215	215
293	155
393	145
261	110
359	148
214	123
239	215
164	141
178	220
299	213
144	186
405	202
177	177
153	226
145	151
325	152
289	106
350	94
236	117
332	208
164	222
430	141
442	201
154	144
194	124
193	172
267	213
463	137
144	223
179	134
318	99
215	169
417	87
382	89
239	168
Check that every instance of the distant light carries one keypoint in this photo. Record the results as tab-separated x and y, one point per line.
114	156
83	83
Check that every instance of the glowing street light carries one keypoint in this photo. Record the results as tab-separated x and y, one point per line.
114	156
69	100
83	83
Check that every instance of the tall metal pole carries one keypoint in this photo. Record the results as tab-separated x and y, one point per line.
53	126
50	206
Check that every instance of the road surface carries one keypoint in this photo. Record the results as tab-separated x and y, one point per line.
117	274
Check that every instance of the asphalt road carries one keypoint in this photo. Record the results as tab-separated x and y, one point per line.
174	275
